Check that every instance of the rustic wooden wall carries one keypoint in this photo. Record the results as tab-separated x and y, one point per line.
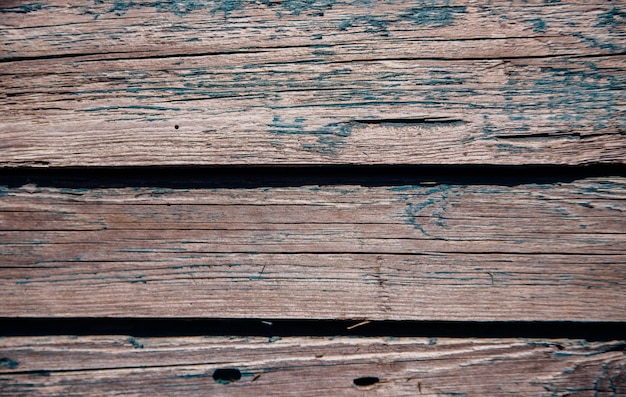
376	174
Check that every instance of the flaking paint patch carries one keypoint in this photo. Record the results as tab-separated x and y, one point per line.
135	343
330	137
23	9
539	25
434	15
368	23
9	363
179	7
296	7
613	17
225	7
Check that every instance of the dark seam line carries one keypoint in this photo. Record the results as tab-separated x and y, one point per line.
302	175
153	327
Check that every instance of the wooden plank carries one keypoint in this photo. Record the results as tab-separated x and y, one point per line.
312	82
122	365
443	252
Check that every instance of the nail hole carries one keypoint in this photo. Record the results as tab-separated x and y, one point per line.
225	376
176	126
366	381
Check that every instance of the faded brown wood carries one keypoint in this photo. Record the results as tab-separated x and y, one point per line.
444	252
122	365
312	82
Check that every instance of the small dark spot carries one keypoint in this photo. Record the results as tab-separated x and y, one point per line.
366	381
176	126
7	362
225	376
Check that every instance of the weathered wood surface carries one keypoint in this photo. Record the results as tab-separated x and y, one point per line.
444	252
122	365
311	82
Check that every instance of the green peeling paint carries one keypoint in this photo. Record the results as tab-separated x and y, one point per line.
135	343
329	137
539	25
434	16
23	9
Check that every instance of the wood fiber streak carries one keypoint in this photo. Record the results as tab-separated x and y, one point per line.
444	252
122	365
112	83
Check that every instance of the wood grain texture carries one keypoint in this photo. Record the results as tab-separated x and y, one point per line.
312	82
443	252
122	365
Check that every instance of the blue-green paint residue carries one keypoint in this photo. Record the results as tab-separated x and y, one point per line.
578	97
77	191
227	6
613	17
284	127
335	72
121	7
434	16
9	363
539	24
619	346
330	137
139	279
296	7
597	42
187	376
23	9
422	197
180	7
368	23
323	53
135	343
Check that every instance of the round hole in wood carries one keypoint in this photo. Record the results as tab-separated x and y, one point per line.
366	381
226	375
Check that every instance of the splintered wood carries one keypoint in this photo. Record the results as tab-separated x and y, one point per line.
312	82
445	252
219	366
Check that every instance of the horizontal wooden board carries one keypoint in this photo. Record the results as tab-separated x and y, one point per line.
123	365
113	83
440	252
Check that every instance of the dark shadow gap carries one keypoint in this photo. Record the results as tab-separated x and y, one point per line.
150	327
282	176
